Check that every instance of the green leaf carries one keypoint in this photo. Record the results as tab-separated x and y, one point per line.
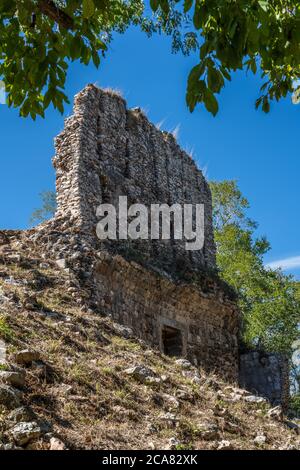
204	49
75	48
100	45
197	17
253	66
215	80
211	102
226	74
48	98
154	4
60	107
264	5
24	16
164	4
96	58
196	73
266	105
88	8
195	93
258	102
25	109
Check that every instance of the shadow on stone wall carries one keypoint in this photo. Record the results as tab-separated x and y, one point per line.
265	374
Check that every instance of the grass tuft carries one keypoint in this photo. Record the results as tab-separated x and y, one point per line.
6	332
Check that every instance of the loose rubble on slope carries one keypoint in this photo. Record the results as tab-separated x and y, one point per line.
73	379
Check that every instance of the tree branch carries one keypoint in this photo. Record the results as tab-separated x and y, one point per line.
48	8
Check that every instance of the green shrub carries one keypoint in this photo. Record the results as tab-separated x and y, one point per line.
5	330
295	404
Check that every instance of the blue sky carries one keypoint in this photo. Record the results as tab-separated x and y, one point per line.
260	151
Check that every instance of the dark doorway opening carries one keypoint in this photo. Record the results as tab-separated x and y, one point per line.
172	341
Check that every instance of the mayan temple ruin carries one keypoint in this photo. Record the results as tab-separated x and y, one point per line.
170	297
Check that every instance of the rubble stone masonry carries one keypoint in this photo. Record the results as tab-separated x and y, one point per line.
107	151
171	298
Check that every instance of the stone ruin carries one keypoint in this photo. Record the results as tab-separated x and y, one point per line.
171	298
265	374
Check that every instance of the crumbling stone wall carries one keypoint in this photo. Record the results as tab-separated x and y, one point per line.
155	287
147	302
266	374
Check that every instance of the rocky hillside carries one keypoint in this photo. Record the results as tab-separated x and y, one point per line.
72	379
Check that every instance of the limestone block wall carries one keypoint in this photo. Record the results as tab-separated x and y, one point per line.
147	302
107	150
266	374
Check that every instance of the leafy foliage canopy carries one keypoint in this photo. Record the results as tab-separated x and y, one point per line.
40	37
268	299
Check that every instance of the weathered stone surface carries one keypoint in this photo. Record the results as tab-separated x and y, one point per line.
9	397
23	433
21	414
11	446
293	426
276	413
184	363
15	379
124	331
147	302
254	399
167	401
209	432
61	263
231	427
107	151
225	445
141	373
260	439
169	418
29	302
26	357
266	375
173	443
57	444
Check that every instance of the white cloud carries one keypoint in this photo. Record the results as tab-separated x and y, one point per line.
285	264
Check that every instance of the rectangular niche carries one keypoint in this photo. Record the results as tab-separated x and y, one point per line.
172	341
